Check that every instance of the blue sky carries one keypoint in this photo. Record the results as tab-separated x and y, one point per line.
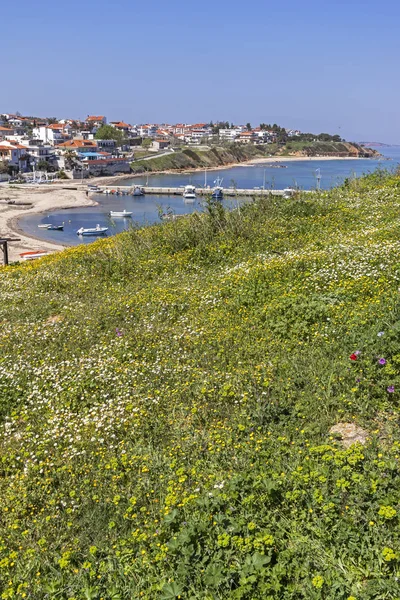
319	66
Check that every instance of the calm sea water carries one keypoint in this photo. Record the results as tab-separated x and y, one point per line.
146	209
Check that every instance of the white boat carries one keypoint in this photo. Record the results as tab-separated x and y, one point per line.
288	192
189	193
93	188
138	191
218	190
44	225
92	231
122	213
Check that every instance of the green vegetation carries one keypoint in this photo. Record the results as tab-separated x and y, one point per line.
108	132
167	399
190	158
327	148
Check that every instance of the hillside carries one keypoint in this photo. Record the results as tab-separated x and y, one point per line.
167	401
189	158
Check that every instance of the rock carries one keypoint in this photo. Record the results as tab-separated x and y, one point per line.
349	433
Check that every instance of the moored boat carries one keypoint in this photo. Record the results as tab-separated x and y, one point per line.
218	190
189	192
121	213
33	254
55	228
44	225
92	230
138	191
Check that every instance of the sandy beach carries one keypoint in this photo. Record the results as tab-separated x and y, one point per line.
35	199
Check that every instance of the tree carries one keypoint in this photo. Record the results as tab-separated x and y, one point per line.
108	132
4	168
70	159
43	165
248	126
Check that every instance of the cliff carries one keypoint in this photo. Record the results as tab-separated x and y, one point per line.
190	159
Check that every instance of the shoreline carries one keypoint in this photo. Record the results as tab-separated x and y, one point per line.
40	200
115	179
70	195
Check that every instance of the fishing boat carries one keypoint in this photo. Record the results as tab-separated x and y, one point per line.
55	228
121	213
33	254
218	190
92	231
44	225
189	192
138	191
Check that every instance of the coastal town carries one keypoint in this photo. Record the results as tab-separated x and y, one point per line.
93	146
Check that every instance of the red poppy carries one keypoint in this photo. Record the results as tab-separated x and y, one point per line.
353	356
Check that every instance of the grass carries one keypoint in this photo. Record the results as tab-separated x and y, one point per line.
190	158
167	397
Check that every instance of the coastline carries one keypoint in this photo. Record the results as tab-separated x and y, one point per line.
111	180
70	194
37	200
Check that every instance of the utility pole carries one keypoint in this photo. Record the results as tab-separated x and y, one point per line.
318	177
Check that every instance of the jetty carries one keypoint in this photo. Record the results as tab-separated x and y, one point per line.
200	191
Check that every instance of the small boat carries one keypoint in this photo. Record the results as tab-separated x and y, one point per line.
92	231
218	190
44	225
55	228
93	188
122	213
288	192
138	191
189	192
33	254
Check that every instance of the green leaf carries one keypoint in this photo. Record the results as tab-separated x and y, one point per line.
170	591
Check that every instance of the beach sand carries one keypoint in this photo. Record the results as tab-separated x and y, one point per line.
36	199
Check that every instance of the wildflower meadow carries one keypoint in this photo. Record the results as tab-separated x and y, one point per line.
167	397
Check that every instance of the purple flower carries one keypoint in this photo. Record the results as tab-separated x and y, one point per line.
390	389
118	332
357	352
382	361
381	333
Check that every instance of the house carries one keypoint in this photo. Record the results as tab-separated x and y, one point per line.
38	152
147	131
5	131
15	154
229	135
106	144
246	137
121	126
95	121
160	144
103	166
53	134
79	145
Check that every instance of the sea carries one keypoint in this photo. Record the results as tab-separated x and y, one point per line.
147	209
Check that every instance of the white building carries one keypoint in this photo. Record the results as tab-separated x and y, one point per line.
147	131
52	134
229	135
